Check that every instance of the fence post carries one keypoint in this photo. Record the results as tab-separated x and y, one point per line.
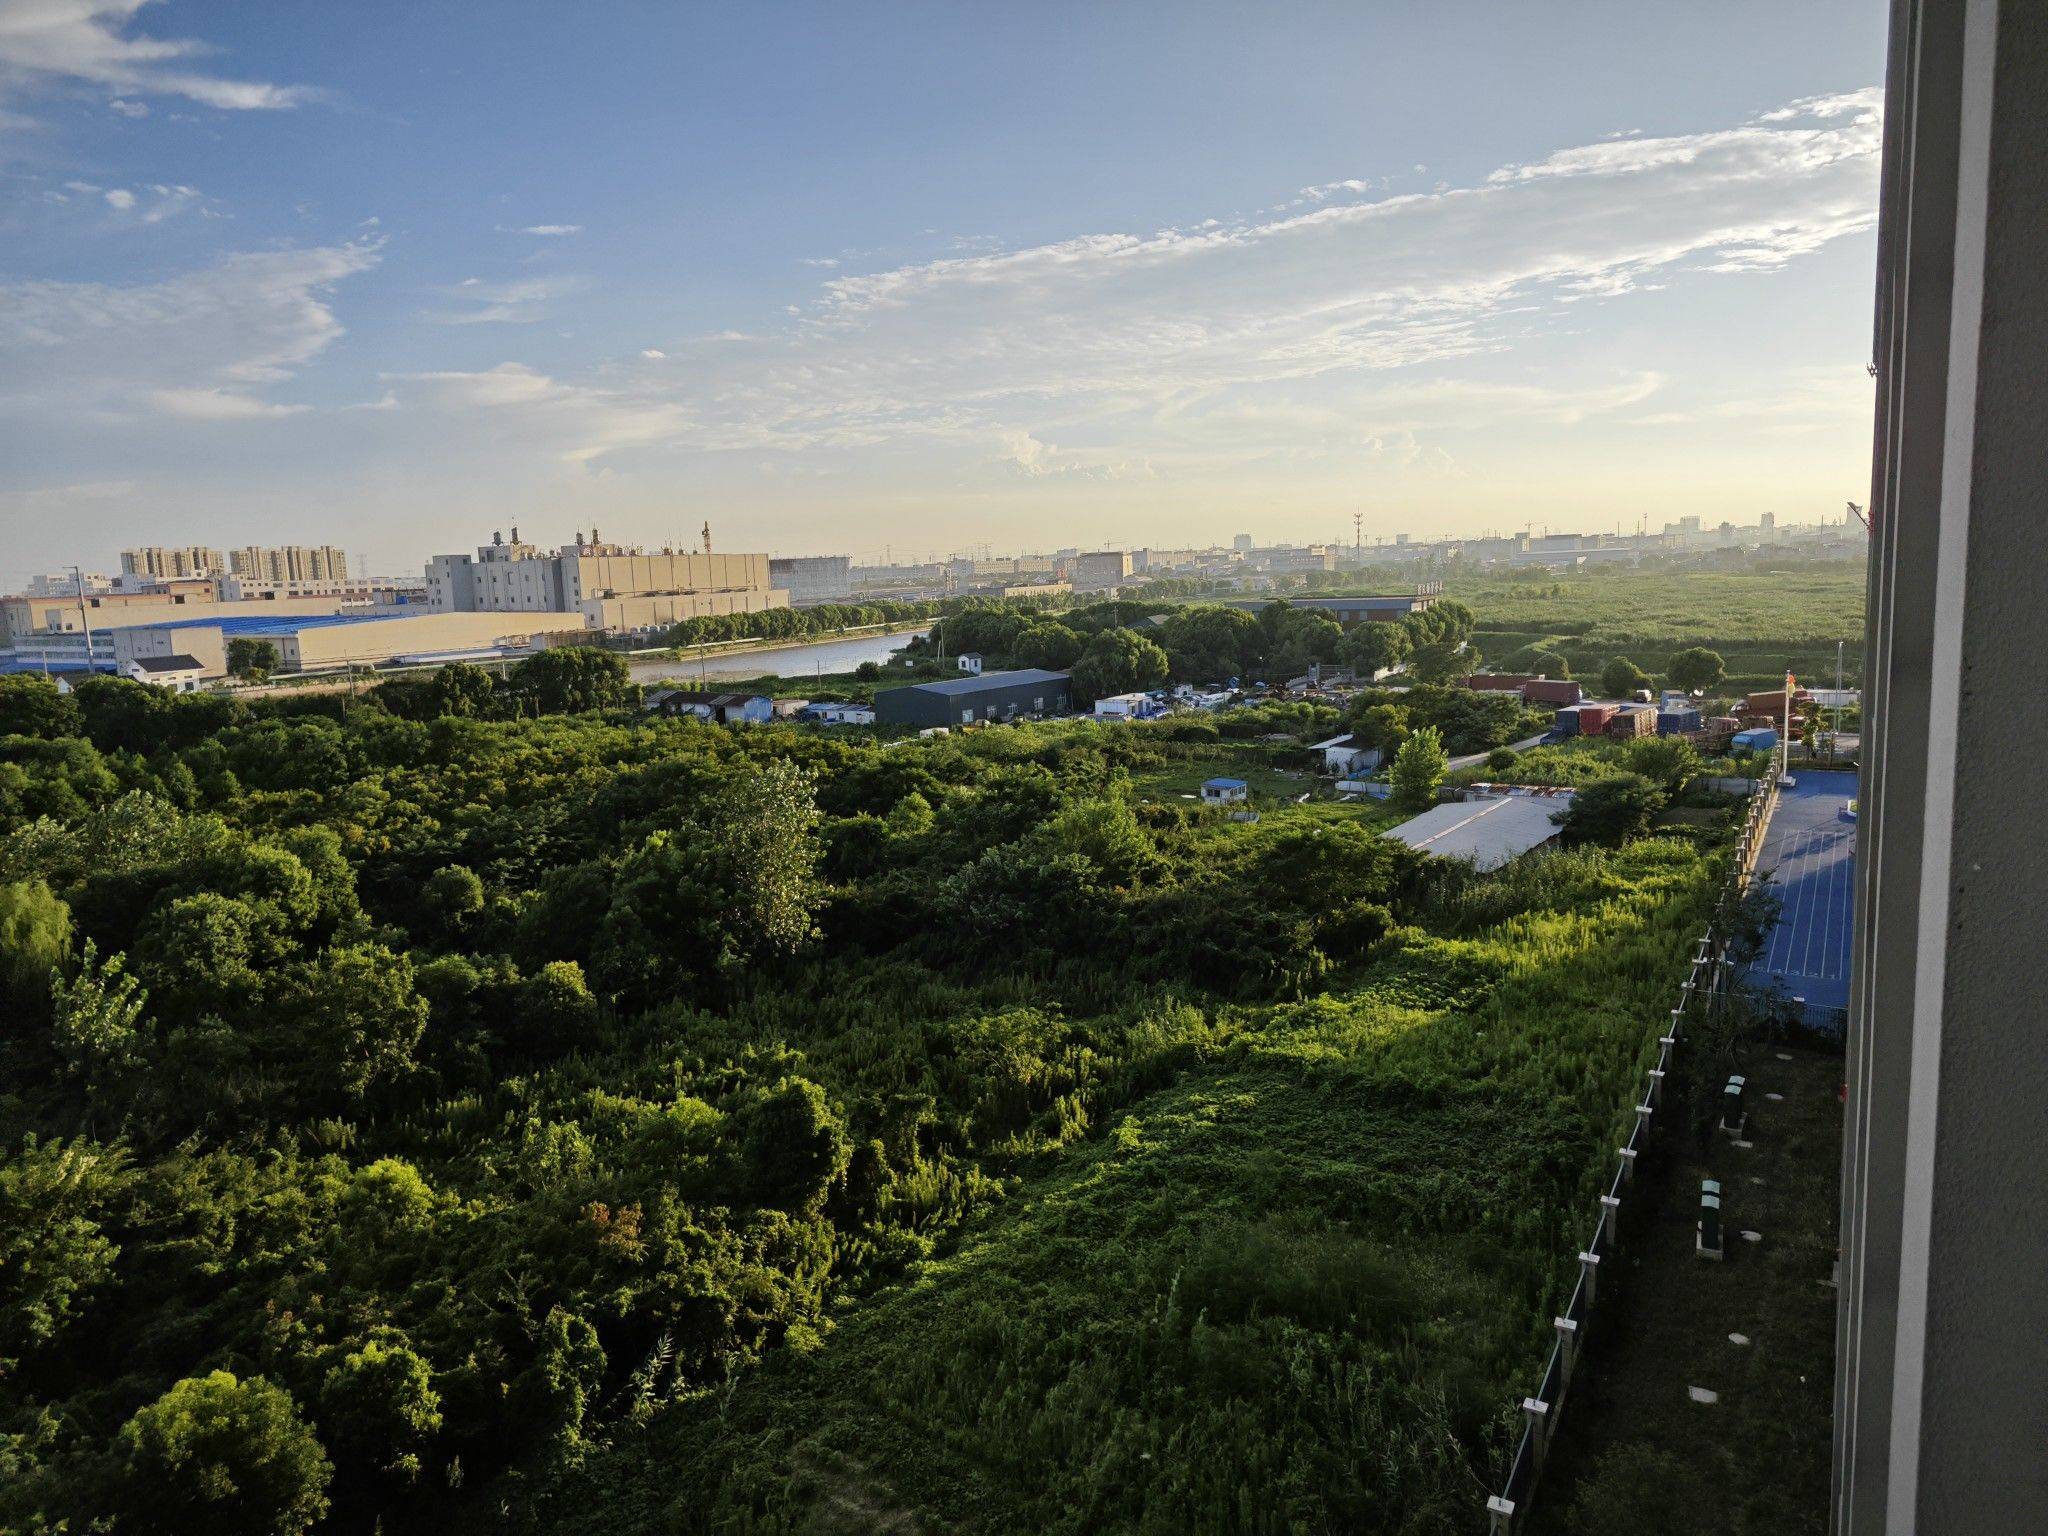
1500	1516
1628	1164
1589	1264
1568	1343
1610	1219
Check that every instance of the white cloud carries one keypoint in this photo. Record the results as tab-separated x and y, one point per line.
120	197
552	229
514	303
818	261
1112	340
203	345
46	42
654	353
128	108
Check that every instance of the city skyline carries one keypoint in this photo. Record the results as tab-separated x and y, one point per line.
847	292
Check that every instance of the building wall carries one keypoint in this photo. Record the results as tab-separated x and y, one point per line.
205	644
647	612
994	699
1099	569
813	578
335	645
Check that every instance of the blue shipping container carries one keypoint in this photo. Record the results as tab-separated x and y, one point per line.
1670	722
1761	739
1568	721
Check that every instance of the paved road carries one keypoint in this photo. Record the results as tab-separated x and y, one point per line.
1479	757
1809	853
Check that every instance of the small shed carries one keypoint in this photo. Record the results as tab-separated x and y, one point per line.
178	672
1225	791
1347	755
970	663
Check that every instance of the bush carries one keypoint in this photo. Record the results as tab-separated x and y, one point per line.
226	1456
1419	767
1611	811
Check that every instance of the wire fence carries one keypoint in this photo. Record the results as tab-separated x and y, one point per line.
1707	980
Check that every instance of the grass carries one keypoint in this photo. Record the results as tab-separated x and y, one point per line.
1292	1284
1760	621
1636	1452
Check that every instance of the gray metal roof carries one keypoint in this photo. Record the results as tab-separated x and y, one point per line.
1488	832
178	662
991	680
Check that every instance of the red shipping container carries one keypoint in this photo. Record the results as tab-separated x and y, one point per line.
1550	690
1593	718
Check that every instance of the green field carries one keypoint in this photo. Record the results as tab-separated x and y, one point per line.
1760	621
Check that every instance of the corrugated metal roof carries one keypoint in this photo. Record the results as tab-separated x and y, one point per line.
283	623
179	662
990	680
1488	832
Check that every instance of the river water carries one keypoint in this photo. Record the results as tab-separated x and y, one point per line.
794	662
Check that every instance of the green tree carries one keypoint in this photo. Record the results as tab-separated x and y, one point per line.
464	691
573	679
1611	811
1438	661
1047	644
251	660
32	706
454	896
1372	648
1669	762
379	1405
95	1015
1695	669
555	1005
222	1455
357	1017
794	1145
1118	661
53	1250
35	940
1208	643
1549	664
1419	767
1622	677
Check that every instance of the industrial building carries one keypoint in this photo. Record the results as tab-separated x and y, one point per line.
608	586
323	642
964	700
1099	570
54	631
810	579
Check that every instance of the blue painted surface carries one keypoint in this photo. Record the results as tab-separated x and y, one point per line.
1809	853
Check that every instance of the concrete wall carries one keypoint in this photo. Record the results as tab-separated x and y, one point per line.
647	612
1941	1420
205	644
334	645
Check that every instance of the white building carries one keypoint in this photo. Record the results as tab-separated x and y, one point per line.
970	662
1344	755
178	672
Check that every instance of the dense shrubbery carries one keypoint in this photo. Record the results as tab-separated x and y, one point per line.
402	1108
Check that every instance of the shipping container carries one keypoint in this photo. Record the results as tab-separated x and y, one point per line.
1550	690
1756	739
1593	718
1567	722
1629	723
1678	722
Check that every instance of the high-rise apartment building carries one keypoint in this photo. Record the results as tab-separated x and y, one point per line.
290	563
158	561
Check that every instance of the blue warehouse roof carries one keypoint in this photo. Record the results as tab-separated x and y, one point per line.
992	680
283	623
1224	784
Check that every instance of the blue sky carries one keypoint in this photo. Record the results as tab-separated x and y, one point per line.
848	278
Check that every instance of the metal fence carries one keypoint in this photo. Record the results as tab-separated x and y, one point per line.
1706	980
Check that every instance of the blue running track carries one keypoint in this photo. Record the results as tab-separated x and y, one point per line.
1809	854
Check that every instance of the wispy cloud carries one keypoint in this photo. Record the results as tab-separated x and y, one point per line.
1144	339
206	345
90	42
477	302
552	229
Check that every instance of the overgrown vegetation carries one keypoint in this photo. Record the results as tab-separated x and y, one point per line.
426	1113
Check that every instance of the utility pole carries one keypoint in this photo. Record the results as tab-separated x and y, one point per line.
84	619
1358	538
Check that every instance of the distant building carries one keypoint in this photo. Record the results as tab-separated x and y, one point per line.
990	696
1128	706
1346	755
182	560
1490	831
811	579
970	662
321	642
1225	791
719	708
1243	543
64	584
289	563
608	586
178	672
1099	570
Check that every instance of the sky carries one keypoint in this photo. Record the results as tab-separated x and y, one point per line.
888	279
